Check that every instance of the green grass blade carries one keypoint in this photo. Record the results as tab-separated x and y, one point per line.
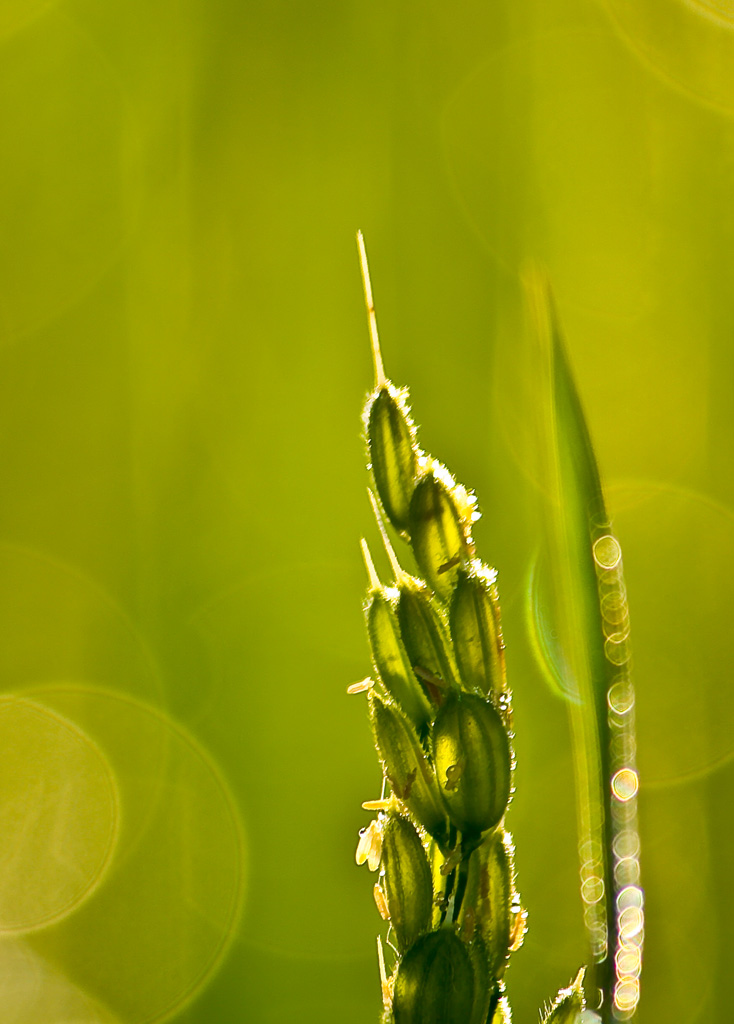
583	586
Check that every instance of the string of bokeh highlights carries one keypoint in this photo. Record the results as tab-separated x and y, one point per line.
624	785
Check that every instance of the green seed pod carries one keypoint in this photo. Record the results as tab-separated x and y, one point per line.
392	662
475	631
439	528
473	762
410	774
569	1003
407	885
424	634
434	982
491	899
485	985
393	452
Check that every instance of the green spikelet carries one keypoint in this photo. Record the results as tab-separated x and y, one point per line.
475	630
424	634
434	982
439	530
391	659
407	880
492	902
406	766
393	452
473	761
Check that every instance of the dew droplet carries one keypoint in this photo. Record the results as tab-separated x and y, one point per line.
607	552
621	697
630	922
625	784
631	896
592	889
626	844
627	872
617	648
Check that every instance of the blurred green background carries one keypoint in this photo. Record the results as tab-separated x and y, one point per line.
183	358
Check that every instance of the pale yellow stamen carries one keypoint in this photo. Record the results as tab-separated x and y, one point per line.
381	902
519	928
369	847
361	686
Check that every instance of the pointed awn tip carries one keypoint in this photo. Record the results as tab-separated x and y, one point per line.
370	566
395	564
380	377
384	980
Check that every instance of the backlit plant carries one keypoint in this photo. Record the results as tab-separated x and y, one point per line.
441	714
